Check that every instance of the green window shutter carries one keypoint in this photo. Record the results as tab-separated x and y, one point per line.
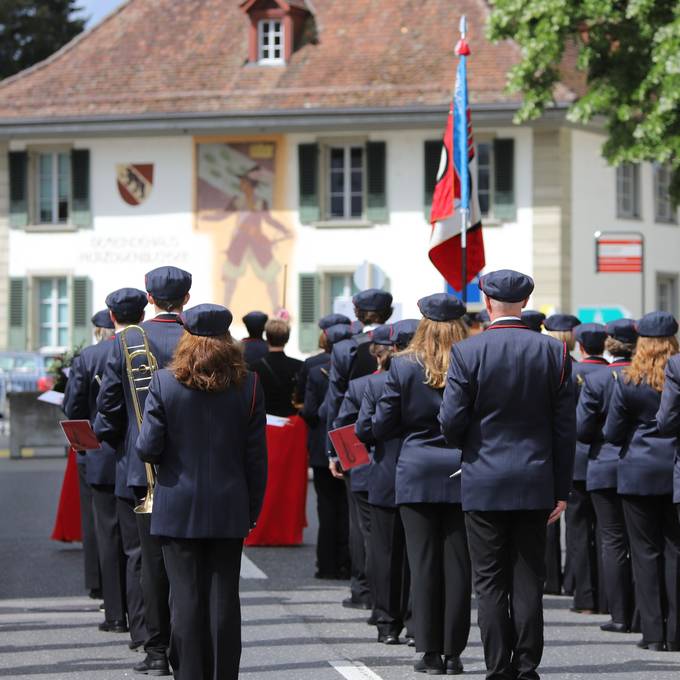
433	154
81	215
308	169
504	207
81	310
18	313
376	182
309	312
18	189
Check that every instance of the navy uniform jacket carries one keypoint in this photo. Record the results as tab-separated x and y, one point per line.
382	471
591	413
253	350
80	403
321	359
278	374
509	404
668	415
646	465
316	386
349	412
116	422
579	371
407	409
211	452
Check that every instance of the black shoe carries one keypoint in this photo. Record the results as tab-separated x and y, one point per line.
577	610
453	664
389	639
651	646
410	641
136	646
351	603
613	627
102	608
326	576
113	627
431	663
153	665
673	646
96	594
372	620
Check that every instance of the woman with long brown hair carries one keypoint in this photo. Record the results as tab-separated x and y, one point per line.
204	428
428	498
645	481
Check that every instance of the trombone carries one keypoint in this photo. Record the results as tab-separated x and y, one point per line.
140	365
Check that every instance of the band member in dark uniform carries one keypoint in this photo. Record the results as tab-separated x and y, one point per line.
582	536
204	427
80	403
601	475
668	417
254	347
277	371
332	545
168	292
509	404
427	495
645	481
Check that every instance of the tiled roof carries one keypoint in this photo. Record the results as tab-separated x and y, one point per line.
180	56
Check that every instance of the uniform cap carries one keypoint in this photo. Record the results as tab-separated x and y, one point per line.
102	319
403	332
207	320
255	322
506	285
333	319
657	325
340	331
533	319
127	302
590	334
441	307
561	322
382	335
168	283
372	300
623	330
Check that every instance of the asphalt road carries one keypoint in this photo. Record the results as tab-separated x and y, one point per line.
294	627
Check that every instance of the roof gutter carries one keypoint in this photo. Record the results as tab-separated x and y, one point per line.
249	122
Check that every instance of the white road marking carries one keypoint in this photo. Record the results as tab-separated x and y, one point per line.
250	570
354	670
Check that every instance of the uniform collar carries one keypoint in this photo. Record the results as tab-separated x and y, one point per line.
166	317
620	362
594	360
508	322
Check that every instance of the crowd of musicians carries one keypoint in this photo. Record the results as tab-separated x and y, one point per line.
482	429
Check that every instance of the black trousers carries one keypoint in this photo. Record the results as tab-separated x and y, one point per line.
390	574
440	575
553	559
155	589
206	608
617	575
332	544
582	546
129	534
508	565
654	534
111	555
359	530
90	554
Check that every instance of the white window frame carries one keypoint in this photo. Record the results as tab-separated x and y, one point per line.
663	206
326	300
54	325
265	42
347	192
54	154
628	184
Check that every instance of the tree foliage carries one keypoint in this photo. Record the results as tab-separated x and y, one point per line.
31	30
629	51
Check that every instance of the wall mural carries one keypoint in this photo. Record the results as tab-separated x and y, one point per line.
237	191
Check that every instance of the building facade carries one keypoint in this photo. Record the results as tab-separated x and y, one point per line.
286	158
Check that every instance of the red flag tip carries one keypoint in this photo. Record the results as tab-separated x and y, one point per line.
462	48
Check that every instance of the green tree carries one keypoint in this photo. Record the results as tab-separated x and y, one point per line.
629	52
31	30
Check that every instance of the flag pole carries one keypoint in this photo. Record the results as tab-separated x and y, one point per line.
464	167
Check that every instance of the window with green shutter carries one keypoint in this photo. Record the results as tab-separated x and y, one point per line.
18	189
81	310
308	171
376	182
504	207
18	313
308	311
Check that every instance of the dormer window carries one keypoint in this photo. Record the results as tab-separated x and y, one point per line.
270	41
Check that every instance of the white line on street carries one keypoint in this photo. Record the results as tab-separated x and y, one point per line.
250	570
354	670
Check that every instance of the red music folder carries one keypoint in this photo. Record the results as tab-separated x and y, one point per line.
351	451
80	435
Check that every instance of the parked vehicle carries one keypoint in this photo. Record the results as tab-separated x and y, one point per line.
24	372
